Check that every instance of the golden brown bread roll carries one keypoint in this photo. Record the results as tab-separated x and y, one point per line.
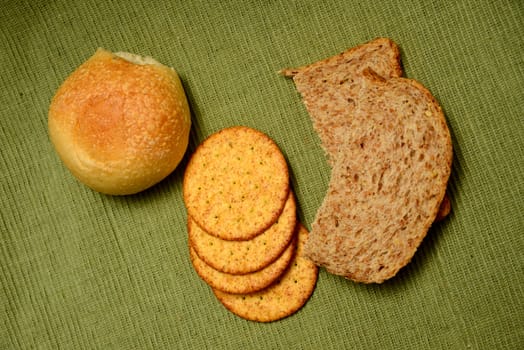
120	122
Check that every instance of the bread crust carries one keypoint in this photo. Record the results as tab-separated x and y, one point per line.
382	54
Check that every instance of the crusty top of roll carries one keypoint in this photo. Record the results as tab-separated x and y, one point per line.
120	122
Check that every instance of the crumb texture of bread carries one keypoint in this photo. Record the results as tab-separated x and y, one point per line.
330	87
387	184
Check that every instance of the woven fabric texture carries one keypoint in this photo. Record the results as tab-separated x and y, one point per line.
81	270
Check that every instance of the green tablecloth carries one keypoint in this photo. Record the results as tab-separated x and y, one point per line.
81	270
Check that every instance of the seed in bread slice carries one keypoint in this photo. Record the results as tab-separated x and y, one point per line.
387	184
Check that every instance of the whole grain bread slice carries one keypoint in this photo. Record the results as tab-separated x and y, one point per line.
387	183
329	87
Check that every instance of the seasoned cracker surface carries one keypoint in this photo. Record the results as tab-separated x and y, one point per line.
281	299
236	183
247	283
240	257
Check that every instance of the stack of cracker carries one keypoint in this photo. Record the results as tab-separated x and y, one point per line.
245	240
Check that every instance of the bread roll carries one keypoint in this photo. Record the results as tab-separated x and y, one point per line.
120	122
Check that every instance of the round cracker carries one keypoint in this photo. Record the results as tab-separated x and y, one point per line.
247	283
241	257
236	183
281	299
